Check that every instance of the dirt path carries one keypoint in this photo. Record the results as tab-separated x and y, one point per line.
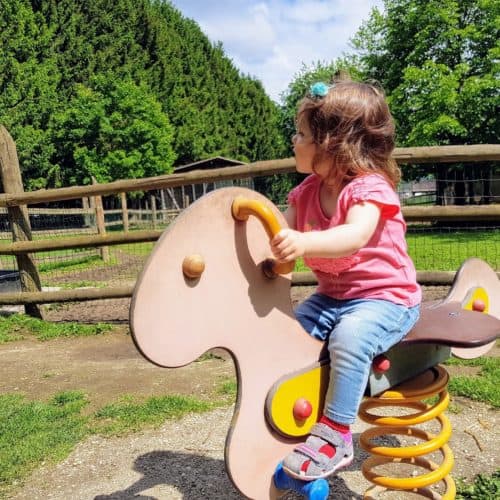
104	367
182	459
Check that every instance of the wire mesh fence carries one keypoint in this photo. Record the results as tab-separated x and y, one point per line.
435	245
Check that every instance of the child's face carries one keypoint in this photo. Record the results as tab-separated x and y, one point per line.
304	149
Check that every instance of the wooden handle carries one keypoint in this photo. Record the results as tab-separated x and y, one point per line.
241	209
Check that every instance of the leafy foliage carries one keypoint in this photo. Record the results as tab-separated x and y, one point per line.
482	488
122	89
113	129
438	61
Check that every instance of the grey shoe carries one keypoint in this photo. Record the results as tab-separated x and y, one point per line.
320	465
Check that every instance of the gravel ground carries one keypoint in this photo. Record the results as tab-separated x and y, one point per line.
184	460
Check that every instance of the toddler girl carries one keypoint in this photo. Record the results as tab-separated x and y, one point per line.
345	220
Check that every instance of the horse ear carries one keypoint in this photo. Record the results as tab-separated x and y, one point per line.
477	287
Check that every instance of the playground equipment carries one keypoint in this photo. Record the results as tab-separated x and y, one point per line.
210	282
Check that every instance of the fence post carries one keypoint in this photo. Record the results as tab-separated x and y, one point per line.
163	206
18	218
101	226
86	204
154	215
123	198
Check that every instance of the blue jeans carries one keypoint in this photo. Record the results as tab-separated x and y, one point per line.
356	330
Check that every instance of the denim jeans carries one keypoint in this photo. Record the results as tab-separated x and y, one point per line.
356	330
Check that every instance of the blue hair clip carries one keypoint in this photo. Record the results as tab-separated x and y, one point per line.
319	90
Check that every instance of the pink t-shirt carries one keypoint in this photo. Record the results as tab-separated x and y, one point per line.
380	270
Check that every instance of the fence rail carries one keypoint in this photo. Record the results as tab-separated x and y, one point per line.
432	154
23	247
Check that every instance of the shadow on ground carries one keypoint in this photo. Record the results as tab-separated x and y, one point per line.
198	478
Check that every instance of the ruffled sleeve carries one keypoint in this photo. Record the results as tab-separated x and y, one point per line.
296	193
376	189
293	195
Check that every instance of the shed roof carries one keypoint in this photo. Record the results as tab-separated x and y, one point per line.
208	164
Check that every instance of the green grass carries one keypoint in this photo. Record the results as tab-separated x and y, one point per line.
82	284
426	199
70	264
32	432
300	266
484	386
19	326
137	248
229	389
130	415
447	251
483	488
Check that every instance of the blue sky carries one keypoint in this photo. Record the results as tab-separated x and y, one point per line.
270	40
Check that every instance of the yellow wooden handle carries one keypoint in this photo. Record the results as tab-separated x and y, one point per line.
241	209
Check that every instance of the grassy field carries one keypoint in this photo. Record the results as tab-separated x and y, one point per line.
432	249
445	251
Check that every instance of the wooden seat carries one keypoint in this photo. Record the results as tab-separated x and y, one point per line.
451	325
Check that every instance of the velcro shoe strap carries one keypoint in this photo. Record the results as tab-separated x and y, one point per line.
307	451
328	434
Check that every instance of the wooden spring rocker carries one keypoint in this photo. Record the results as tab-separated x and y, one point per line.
210	282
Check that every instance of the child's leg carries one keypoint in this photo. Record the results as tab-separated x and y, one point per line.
366	328
361	329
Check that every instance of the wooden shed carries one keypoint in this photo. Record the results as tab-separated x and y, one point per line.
183	196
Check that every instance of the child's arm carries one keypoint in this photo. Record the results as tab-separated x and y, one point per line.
339	241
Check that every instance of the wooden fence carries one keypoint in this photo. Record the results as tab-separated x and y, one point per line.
15	200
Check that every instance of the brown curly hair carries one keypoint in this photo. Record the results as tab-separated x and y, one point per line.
354	129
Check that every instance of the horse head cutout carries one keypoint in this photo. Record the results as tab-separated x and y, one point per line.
226	300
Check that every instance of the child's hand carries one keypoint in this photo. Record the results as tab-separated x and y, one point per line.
288	245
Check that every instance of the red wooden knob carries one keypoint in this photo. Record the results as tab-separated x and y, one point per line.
302	409
381	364
478	305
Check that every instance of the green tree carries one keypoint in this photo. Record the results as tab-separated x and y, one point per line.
112	130
28	83
438	61
51	51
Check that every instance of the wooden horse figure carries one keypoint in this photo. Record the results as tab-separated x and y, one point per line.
209	283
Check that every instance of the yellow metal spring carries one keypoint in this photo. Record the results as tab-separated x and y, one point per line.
410	395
